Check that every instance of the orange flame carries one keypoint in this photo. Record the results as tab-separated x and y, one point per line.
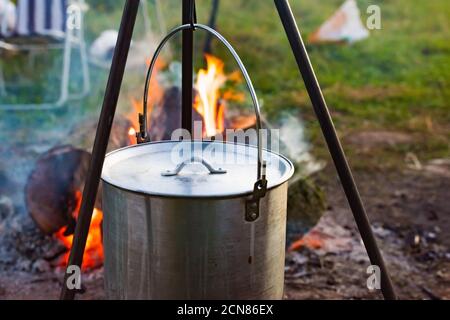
155	94
311	240
93	252
207	103
131	131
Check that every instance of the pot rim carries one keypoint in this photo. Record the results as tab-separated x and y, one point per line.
289	173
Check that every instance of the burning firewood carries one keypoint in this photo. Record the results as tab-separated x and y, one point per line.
209	103
60	173
53	197
50	193
166	115
54	188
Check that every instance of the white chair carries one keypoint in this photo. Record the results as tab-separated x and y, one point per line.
60	23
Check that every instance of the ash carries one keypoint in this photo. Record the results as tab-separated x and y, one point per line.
23	247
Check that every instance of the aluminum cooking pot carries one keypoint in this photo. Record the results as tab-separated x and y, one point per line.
195	219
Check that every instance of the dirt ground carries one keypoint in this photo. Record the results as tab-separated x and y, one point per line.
410	214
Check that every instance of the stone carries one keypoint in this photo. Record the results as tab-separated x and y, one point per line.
306	205
24	265
40	266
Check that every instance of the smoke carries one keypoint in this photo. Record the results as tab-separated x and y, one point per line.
294	145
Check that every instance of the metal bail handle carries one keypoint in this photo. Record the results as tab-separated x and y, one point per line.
260	187
180	166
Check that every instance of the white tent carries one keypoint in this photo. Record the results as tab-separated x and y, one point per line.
344	25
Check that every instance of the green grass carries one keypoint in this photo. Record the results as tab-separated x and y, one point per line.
397	79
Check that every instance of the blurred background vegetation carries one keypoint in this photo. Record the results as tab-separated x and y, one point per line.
396	80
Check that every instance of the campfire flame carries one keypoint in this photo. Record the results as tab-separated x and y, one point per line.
207	101
155	94
132	131
132	135
93	252
210	104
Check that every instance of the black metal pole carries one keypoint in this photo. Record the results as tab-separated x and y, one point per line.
212	24
187	65
334	145
101	140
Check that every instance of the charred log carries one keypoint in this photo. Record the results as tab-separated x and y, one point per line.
51	189
165	117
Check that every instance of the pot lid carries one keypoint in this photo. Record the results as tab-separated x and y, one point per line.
210	169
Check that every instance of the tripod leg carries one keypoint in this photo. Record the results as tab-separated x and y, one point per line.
334	145
101	140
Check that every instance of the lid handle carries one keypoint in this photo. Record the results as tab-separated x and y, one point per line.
142	135
181	165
